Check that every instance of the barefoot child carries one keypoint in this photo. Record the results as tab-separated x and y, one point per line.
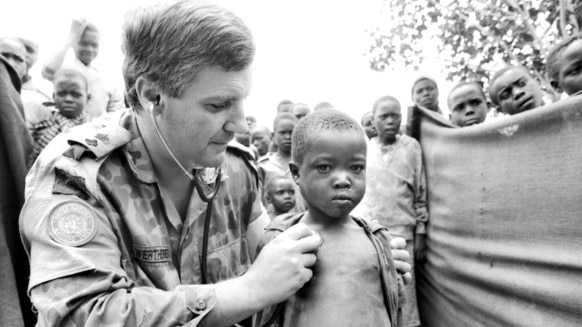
354	279
396	189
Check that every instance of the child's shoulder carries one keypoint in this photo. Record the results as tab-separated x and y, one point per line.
408	141
284	221
277	226
371	226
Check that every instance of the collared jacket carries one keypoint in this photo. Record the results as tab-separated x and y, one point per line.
107	246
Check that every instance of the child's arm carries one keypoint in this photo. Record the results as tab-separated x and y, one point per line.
56	61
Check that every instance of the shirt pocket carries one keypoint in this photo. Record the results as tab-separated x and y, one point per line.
228	261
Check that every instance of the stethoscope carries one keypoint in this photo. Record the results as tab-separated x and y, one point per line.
208	198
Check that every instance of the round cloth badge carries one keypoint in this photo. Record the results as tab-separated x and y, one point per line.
72	223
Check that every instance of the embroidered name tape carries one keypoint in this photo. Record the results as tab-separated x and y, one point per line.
72	223
152	254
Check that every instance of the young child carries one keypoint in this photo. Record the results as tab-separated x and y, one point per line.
278	162
280	193
564	65
467	104
514	90
368	125
354	282
396	189
71	97
261	138
300	110
84	39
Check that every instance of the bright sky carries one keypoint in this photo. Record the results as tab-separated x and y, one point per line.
307	51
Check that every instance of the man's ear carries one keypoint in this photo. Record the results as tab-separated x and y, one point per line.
148	92
556	85
294	169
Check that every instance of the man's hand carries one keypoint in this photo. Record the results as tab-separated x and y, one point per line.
283	266
78	26
401	258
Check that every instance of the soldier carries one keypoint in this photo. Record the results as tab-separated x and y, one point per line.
115	230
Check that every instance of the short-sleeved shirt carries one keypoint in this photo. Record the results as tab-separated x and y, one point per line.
106	244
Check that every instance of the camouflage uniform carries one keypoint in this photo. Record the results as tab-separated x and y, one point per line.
107	246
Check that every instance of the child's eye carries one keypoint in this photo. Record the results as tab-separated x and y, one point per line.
504	94
324	168
521	83
357	169
475	102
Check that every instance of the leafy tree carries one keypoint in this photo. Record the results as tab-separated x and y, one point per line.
473	36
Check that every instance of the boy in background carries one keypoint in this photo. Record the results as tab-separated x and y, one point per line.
71	96
354	280
261	138
280	193
467	104
564	66
396	190
368	125
300	110
278	162
513	90
84	39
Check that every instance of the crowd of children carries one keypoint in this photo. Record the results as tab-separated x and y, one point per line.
358	186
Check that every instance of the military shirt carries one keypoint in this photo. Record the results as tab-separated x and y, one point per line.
107	246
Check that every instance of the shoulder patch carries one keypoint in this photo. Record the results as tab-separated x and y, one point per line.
72	223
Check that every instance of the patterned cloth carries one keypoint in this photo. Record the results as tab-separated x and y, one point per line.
106	244
44	131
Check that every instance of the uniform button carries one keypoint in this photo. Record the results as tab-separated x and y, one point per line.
201	305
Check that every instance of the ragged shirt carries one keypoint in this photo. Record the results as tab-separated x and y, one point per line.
107	246
395	187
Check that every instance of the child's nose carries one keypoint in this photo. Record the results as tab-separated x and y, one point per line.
342	180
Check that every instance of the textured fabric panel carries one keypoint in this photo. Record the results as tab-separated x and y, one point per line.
505	230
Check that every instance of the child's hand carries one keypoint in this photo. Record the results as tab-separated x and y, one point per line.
78	26
401	257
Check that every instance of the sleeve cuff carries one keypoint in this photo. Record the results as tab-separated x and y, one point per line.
200	300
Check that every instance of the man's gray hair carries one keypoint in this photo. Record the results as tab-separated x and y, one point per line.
170	42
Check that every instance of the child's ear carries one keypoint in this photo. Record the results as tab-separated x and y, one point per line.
294	169
268	198
556	85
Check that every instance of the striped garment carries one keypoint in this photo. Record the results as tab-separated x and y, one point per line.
46	130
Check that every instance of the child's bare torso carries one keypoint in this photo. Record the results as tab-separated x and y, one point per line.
345	289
